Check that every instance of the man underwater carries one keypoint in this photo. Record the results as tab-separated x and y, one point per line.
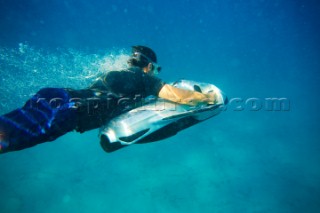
53	112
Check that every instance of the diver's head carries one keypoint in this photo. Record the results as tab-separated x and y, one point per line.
145	58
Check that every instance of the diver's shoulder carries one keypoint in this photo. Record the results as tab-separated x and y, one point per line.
126	70
133	70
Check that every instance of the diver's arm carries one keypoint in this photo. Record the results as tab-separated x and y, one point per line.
183	96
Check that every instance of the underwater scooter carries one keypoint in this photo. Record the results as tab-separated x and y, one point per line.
159	119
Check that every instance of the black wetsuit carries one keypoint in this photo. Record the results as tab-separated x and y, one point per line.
52	112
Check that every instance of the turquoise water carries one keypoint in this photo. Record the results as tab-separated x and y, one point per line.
247	159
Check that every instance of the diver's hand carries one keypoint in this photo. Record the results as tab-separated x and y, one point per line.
211	98
188	97
198	98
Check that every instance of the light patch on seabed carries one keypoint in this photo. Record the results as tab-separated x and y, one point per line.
66	198
12	204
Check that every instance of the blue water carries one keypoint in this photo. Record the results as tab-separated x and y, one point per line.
251	160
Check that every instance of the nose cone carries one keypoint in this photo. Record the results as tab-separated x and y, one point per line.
222	98
226	100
